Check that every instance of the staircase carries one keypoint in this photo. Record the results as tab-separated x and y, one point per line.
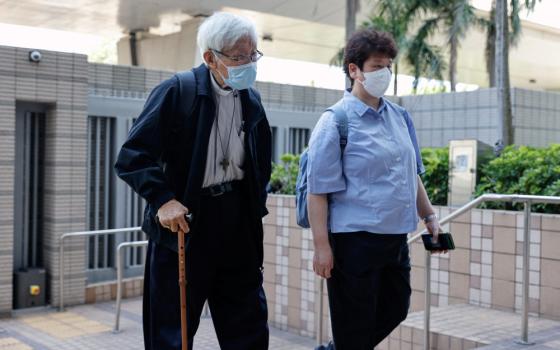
464	326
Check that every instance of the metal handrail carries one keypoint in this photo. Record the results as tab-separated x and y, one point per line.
120	248
82	234
528	200
205	312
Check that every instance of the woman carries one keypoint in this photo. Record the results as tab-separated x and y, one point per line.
362	203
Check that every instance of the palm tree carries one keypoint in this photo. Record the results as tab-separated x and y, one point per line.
501	64
514	29
454	16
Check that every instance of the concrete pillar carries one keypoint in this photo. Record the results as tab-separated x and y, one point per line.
176	52
58	83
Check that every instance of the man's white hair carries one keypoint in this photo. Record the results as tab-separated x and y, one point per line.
222	30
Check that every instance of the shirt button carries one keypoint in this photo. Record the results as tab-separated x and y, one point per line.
398	159
408	205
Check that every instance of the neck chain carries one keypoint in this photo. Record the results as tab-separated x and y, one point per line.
225	162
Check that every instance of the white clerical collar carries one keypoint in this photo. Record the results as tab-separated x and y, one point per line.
218	89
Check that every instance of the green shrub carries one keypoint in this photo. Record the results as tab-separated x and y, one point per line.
519	170
284	175
523	170
435	179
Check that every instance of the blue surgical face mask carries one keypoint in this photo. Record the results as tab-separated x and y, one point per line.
241	77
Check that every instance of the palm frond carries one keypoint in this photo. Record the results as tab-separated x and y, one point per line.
426	60
338	58
462	17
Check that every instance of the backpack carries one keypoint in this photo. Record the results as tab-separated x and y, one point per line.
301	182
187	89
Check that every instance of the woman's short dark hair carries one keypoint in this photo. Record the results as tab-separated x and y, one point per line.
366	42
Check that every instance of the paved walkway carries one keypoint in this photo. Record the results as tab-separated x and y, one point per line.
90	327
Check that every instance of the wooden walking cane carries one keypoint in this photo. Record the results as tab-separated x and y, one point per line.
183	284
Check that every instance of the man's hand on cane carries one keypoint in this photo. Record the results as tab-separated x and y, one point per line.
171	215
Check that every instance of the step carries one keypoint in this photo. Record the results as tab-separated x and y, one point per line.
464	326
544	340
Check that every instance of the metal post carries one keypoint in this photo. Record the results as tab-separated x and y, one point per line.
27	188
35	191
120	266
526	250
84	234
96	190
61	274
427	300
119	287
319	314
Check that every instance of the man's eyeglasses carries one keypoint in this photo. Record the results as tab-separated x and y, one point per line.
255	56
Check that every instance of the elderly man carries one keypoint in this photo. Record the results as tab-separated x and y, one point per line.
202	145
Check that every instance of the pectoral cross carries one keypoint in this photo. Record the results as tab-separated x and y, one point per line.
225	164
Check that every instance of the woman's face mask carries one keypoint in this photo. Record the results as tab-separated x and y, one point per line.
377	82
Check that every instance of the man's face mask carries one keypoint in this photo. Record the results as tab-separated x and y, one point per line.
240	77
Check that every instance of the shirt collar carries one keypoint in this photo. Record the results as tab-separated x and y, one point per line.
358	106
217	88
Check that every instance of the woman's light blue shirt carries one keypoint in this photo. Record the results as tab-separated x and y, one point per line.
373	186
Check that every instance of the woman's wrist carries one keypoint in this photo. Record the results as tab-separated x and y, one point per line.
429	218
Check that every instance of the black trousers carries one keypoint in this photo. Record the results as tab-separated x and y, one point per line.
369	289
222	268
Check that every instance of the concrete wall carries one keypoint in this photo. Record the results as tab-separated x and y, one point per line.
60	82
7	172
440	118
536	117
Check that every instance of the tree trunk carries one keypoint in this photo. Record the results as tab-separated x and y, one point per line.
453	62
395	79
502	76
352	7
351	10
490	50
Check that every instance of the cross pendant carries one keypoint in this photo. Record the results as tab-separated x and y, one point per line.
225	164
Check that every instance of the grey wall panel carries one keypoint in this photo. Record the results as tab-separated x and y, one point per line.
114	106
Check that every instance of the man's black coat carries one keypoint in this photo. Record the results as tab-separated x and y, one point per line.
164	156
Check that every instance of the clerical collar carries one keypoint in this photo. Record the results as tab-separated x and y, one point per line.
218	89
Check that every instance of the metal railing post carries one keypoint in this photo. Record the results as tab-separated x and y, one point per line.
61	274
81	234
427	300
119	288
525	296
319	314
120	265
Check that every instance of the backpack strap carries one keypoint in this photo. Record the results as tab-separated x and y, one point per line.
187	89
341	120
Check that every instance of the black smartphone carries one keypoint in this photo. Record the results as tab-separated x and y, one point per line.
445	242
